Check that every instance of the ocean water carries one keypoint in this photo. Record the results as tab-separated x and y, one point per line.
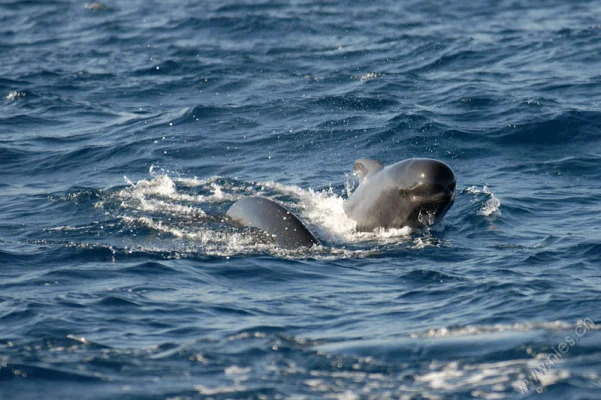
127	129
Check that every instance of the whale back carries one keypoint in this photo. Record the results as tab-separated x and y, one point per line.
257	212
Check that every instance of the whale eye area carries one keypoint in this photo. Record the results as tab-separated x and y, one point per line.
425	191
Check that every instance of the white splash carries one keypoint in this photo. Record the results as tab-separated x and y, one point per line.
491	206
170	206
211	391
236	370
482	380
154	195
14	95
351	181
368	76
96	6
326	211
471	330
164	187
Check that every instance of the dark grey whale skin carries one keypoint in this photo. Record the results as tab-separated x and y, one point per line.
416	192
257	212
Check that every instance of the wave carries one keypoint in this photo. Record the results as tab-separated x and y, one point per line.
491	205
569	127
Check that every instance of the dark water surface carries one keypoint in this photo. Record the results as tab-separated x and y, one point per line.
128	128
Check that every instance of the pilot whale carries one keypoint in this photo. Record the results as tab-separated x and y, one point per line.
416	192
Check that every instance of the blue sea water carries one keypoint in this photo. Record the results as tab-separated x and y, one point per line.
128	128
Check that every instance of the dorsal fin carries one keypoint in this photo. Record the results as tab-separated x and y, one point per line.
365	167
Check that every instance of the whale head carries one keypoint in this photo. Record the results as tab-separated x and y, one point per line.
427	186
416	192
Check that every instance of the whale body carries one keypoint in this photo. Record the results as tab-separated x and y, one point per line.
416	192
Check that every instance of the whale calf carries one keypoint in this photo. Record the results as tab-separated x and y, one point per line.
416	192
